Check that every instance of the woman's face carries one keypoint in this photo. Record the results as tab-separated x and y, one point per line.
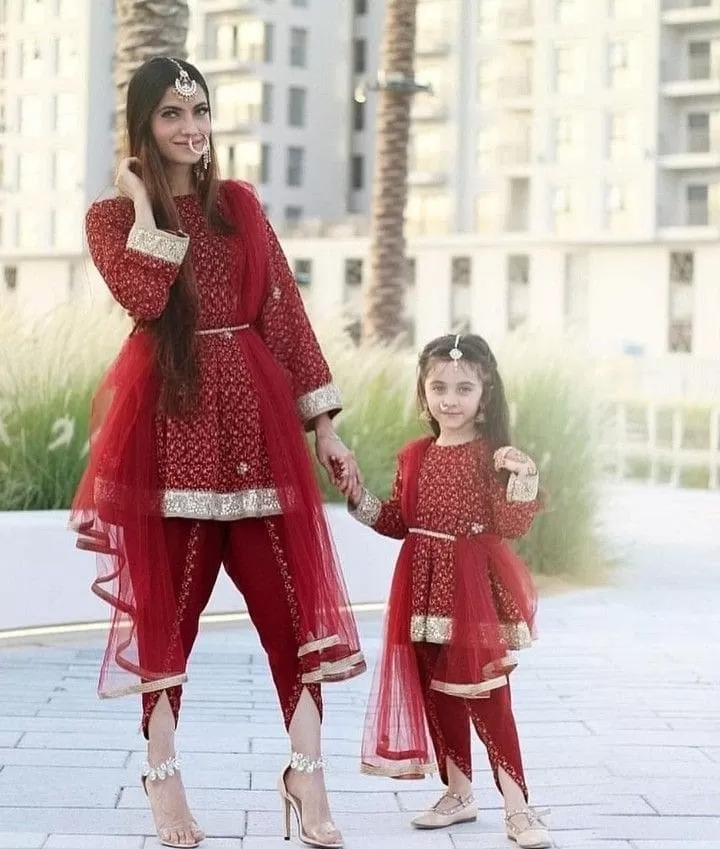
176	121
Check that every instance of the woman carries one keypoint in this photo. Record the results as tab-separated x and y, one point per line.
197	453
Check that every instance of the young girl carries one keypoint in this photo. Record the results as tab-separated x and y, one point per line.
461	600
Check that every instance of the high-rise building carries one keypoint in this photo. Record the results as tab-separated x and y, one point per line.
56	109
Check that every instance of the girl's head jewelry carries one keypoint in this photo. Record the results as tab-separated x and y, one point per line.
185	86
204	152
455	352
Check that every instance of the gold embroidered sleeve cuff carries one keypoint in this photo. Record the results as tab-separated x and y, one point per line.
160	244
368	510
326	399
522	488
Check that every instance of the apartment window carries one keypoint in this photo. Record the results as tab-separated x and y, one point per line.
518	290
299	2
410	300
10	277
295	166
569	138
293	215
698	132
66	116
267	103
623	65
429	151
298	47
265	167
268	42
358	116
570	69
29	227
64	232
618	207
357	173
621	135
680	302
240	161
303	272
33	11
352	290
67	58
576	290
569	11
31	115
488	213
487	147
460	293
31	169
699	60
238	103
697	197
517	215
564	211
428	213
487	81
489	16
361	7
297	104
31	60
359	55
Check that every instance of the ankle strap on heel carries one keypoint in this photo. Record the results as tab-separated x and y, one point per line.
161	771
305	763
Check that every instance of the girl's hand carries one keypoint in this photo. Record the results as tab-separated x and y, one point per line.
337	460
514	461
127	181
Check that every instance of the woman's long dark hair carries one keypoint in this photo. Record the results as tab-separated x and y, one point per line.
475	352
174	331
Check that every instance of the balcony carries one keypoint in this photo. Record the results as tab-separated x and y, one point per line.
426	175
211	7
514	154
244	62
683	13
238	121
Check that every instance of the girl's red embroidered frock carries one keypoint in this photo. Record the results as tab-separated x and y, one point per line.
461	600
155	484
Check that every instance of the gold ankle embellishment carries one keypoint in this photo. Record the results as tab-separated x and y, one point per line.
161	771
304	763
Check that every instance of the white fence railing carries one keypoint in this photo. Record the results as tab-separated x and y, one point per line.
662	442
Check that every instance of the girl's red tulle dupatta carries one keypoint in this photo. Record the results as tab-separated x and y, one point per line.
117	508
475	659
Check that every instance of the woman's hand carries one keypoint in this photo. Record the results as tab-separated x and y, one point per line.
514	461
337	460
127	181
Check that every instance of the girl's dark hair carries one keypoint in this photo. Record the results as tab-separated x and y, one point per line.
475	352
174	331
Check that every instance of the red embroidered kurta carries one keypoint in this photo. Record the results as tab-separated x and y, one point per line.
459	495
213	464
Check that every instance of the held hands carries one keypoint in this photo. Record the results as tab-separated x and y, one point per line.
514	461
337	460
127	181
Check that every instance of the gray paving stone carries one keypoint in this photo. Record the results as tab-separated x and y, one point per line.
698	804
63	757
10	738
17	840
95	841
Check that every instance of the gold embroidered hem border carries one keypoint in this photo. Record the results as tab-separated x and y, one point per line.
336	669
158	243
517	635
145	687
220	506
522	488
438	630
480	690
318	645
418	771
326	399
368	510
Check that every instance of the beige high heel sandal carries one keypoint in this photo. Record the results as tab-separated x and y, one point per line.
304	763
160	773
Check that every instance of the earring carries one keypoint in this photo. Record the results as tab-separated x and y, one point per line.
480	417
425	415
206	153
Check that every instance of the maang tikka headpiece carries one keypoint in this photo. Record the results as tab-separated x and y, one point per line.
185	86
455	352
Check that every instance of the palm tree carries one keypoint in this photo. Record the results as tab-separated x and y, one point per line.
384	295
143	29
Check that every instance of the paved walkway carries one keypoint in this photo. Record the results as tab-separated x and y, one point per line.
618	707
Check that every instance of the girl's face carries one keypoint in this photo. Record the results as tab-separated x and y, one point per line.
453	391
174	121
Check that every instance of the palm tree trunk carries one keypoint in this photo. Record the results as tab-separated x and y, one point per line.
385	290
143	29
